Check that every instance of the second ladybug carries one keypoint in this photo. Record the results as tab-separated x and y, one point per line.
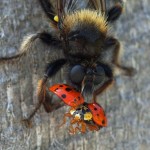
84	116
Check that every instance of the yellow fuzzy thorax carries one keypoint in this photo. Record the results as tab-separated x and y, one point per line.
85	17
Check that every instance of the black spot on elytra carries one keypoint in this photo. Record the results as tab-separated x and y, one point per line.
97	114
78	97
60	85
95	108
68	89
75	100
63	95
103	122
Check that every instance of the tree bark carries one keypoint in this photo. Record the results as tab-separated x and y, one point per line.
126	104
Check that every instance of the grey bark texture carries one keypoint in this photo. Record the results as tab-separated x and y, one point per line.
127	104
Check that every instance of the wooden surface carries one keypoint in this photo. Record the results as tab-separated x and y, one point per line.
127	103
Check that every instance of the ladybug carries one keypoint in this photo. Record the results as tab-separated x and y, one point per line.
83	115
69	95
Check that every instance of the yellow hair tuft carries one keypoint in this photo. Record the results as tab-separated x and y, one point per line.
84	17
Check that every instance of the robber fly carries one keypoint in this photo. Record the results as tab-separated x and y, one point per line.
81	32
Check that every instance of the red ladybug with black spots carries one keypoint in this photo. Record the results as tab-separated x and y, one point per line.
83	116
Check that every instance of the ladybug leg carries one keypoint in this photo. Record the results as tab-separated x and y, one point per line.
73	130
83	127
73	121
104	87
43	97
93	127
64	119
65	116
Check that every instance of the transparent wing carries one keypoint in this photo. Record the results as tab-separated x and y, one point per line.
68	6
99	5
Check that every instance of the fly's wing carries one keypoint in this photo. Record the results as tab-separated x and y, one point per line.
68	6
99	5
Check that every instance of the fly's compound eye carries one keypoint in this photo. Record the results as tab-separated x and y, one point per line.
99	75
77	74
